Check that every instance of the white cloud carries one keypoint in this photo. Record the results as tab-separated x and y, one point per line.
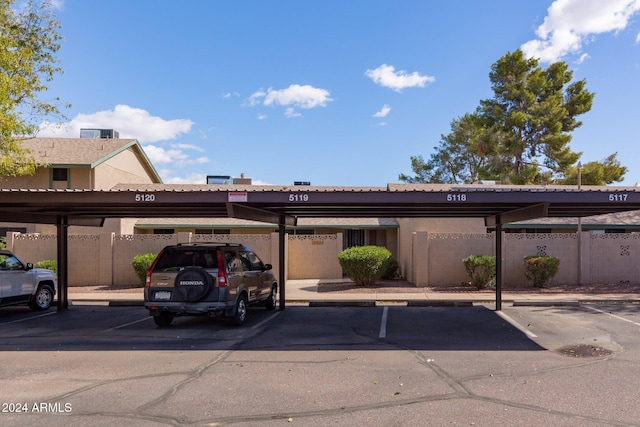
386	109
262	116
174	156
57	4
583	58
137	124
190	147
161	156
256	98
386	76
194	178
301	96
638	38
291	112
569	24
128	121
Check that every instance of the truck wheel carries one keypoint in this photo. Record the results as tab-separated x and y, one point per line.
42	299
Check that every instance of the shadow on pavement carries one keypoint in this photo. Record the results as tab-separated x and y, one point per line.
89	328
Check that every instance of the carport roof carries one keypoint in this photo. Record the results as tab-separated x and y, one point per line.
325	223
272	203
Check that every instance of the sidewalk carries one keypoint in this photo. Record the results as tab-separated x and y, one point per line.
305	292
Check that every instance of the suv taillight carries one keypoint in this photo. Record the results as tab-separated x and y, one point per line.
222	271
147	282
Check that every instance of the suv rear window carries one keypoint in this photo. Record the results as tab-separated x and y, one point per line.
174	259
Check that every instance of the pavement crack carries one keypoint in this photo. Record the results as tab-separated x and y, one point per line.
194	375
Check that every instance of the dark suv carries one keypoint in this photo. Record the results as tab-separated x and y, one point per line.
207	279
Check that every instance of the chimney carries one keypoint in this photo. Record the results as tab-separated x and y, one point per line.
242	180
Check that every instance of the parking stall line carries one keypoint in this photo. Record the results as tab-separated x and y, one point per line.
28	318
383	323
516	324
129	324
614	316
268	319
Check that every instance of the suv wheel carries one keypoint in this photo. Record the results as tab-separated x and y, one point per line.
163	319
42	299
271	302
241	311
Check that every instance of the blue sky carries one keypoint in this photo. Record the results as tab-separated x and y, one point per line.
332	92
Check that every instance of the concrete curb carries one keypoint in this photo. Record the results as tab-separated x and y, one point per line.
375	303
532	303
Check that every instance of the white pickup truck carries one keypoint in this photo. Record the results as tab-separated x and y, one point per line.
20	283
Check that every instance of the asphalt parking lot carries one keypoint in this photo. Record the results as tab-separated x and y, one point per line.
387	365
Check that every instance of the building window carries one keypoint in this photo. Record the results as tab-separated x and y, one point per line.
5	230
203	231
538	231
59	174
222	231
163	231
354	238
301	231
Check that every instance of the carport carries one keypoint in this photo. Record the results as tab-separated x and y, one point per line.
283	205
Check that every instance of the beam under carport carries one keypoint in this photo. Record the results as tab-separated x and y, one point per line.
62	246
235	210
539	210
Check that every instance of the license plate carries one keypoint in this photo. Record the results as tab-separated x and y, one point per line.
162	296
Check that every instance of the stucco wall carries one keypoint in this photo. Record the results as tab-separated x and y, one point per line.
39	180
588	259
446	252
123	168
406	252
105	259
431	259
314	257
560	245
614	258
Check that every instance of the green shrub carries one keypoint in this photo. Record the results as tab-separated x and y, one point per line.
366	264
141	264
392	270
48	264
481	269
540	269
